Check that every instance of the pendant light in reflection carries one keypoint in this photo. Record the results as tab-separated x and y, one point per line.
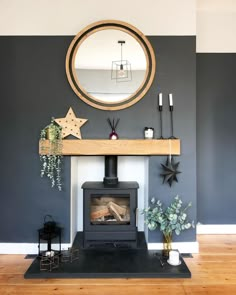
121	69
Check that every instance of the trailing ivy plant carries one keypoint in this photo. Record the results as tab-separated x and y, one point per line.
51	155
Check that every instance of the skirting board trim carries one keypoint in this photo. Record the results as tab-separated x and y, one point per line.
183	247
32	248
216	229
27	248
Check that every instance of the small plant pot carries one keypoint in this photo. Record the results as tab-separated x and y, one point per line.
51	134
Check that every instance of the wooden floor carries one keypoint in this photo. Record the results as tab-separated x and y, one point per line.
213	272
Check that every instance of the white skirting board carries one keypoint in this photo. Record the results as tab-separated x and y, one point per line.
216	229
32	248
27	248
183	247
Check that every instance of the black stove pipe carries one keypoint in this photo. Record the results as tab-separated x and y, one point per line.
110	170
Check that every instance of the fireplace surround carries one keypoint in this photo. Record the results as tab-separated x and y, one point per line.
102	147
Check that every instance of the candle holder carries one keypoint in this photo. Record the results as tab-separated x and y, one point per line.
148	132
160	111
171	122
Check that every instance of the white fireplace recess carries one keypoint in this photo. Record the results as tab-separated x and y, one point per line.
135	168
91	168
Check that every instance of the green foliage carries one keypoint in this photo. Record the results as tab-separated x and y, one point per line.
51	158
172	219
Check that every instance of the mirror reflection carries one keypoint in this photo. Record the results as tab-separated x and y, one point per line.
110	65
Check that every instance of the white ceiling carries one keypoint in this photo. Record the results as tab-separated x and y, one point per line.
212	21
68	17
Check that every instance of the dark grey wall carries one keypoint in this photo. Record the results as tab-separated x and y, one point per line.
216	140
34	88
176	73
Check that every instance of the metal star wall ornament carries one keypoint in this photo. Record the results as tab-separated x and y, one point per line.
70	124
170	170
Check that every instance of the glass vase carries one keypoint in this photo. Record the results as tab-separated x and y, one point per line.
167	244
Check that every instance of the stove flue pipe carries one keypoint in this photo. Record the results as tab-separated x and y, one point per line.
110	170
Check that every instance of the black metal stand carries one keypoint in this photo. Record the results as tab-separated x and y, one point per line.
160	110
171	123
49	236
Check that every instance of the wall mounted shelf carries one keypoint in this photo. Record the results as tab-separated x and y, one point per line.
133	147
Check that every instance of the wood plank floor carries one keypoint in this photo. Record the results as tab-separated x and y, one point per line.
213	272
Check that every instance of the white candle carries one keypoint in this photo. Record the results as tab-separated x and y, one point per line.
160	99
171	99
174	257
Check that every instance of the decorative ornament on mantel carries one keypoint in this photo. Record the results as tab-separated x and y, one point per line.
113	124
170	170
70	124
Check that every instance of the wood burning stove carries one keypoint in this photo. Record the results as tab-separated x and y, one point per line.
110	214
110	210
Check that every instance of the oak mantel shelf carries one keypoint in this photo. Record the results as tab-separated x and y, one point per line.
133	147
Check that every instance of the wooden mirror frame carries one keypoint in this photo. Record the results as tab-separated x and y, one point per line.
150	61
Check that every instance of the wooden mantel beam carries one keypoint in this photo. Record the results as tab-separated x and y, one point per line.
134	147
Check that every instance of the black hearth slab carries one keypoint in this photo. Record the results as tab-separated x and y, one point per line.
31	256
113	263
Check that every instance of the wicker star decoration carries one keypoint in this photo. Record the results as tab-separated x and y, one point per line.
70	124
170	170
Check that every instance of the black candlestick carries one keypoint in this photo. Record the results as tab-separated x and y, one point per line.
160	110
171	122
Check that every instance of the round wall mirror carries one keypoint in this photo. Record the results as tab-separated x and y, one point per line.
110	65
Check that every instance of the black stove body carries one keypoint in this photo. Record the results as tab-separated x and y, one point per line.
110	210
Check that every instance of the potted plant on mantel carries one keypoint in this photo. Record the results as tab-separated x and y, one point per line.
172	219
51	155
